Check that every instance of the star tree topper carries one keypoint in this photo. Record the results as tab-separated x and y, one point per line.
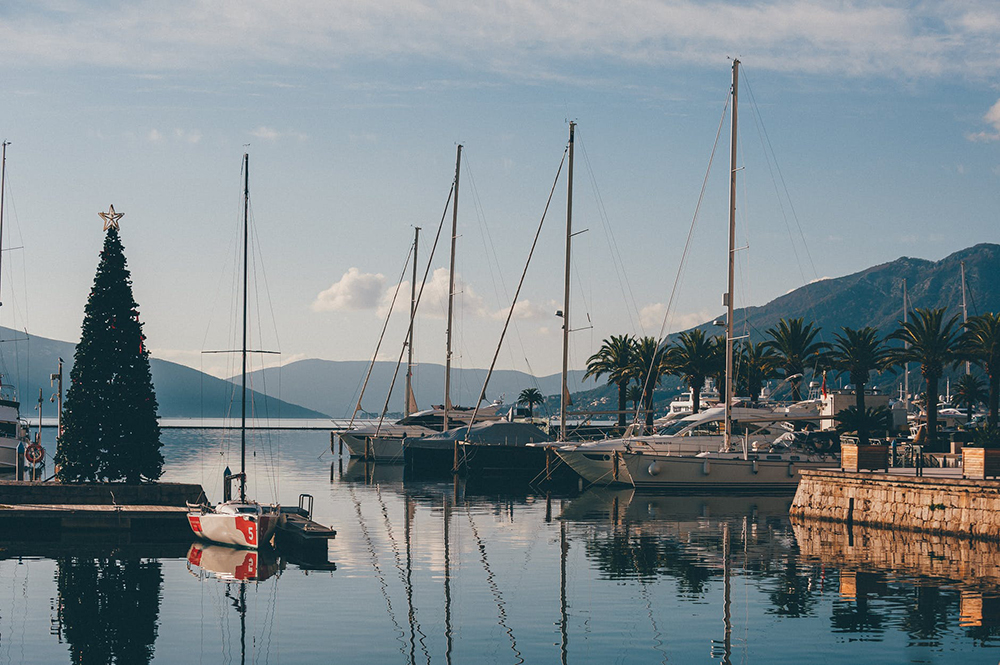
111	218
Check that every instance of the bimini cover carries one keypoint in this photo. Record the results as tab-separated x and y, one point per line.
499	433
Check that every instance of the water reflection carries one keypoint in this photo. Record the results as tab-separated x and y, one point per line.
443	571
239	570
107	608
927	580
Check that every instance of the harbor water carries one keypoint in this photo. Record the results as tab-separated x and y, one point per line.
436	571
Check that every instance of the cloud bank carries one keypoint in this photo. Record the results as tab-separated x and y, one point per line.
523	38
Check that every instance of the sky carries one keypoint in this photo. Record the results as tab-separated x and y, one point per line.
868	131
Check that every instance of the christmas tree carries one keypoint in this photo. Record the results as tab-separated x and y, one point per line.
110	431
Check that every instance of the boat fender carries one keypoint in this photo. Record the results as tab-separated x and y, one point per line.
754	466
791	470
654	469
706	467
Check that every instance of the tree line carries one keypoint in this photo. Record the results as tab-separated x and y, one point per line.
792	348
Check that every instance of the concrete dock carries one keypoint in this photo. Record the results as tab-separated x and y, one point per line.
153	508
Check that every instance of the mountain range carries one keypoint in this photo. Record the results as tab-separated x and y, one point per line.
27	361
316	388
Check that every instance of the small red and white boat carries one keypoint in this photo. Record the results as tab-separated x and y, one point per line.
238	523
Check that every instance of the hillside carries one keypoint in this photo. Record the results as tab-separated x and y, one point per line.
874	297
182	392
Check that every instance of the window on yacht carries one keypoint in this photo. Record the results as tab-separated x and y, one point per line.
711	428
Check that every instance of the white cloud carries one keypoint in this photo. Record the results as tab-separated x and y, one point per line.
526	309
266	133
434	302
188	136
991	118
355	291
272	134
154	136
520	37
651	318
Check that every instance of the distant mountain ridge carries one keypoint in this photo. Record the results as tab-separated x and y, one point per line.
181	392
874	297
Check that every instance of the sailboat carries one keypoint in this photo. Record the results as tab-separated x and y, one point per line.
772	467
13	430
239	522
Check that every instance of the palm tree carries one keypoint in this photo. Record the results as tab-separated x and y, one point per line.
933	342
718	363
796	347
757	362
970	392
614	358
981	344
692	358
859	353
531	397
853	420
649	363
634	394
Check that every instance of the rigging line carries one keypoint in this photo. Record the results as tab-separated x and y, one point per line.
684	253
416	305
744	267
616	256
771	168
388	315
492	253
524	272
263	438
781	176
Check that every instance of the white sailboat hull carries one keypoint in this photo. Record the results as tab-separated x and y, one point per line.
380	449
249	531
596	462
721	474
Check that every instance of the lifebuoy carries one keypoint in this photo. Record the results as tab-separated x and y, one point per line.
34	453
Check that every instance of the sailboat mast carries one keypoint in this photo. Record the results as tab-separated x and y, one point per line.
732	251
451	293
413	312
243	372
563	398
906	366
965	313
3	189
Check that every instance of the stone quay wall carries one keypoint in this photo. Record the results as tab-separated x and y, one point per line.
957	506
13	492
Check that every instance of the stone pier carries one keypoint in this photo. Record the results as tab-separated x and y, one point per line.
933	504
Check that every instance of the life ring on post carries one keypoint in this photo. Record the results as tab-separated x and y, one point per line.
34	453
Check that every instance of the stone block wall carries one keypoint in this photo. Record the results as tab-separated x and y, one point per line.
957	506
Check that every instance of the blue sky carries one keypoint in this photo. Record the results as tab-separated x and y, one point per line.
884	119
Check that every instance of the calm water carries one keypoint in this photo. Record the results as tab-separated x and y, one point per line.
434	573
